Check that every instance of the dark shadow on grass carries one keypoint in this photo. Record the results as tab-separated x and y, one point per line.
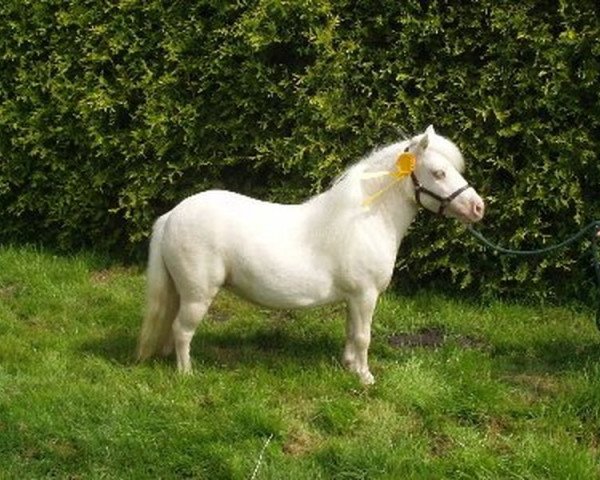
272	345
116	347
266	346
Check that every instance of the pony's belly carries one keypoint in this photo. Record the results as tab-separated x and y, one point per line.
284	291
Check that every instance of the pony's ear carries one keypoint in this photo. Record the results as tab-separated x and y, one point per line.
430	130
423	142
418	144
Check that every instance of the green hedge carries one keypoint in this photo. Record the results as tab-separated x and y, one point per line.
112	112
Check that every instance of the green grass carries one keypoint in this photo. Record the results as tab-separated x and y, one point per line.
512	392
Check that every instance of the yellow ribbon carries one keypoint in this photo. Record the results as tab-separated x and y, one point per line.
405	165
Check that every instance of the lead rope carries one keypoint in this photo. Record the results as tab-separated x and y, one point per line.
593	226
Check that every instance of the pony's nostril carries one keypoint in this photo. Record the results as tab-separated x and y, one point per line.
478	209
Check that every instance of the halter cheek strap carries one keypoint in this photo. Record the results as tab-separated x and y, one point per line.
444	201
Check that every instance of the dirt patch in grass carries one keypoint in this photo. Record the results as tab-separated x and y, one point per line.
219	316
8	291
440	444
536	384
109	274
433	337
299	443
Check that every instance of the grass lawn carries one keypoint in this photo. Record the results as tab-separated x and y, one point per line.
463	390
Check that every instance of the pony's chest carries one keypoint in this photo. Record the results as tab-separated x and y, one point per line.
367	261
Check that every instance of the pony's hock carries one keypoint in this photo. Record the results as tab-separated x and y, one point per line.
339	246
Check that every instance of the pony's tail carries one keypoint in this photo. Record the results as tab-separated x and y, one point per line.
162	302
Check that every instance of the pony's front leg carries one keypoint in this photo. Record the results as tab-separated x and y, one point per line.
358	335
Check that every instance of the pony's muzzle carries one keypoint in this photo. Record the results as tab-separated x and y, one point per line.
477	209
468	208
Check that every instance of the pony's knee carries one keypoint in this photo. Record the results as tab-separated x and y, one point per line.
362	341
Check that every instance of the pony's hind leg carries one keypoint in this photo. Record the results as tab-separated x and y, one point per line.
189	317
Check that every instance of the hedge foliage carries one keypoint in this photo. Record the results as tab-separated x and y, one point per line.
112	112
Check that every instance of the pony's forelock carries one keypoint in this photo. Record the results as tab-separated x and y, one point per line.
448	150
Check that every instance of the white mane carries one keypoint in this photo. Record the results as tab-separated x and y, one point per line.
349	186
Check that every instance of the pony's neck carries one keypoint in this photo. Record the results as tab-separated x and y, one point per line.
396	207
397	211
394	210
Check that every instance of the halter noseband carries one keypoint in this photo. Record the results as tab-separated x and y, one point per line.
444	201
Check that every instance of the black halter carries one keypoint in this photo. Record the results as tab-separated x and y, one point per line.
444	201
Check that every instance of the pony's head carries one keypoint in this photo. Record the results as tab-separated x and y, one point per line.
437	181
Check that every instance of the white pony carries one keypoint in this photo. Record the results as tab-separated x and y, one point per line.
339	246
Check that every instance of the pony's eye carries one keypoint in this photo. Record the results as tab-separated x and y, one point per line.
439	174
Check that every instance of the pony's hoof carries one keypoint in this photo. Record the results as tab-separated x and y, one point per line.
366	378
184	370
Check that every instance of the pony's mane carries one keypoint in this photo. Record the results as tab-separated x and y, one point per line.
383	157
347	185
